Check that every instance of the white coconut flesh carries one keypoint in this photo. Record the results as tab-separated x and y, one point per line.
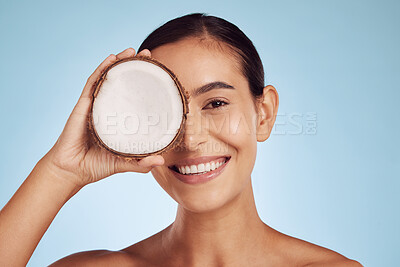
138	108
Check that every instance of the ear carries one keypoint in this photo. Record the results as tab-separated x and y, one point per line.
267	110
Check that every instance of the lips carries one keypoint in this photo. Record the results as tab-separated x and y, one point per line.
199	170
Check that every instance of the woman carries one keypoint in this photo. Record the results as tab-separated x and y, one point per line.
217	223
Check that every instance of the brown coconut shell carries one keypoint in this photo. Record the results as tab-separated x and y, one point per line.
178	137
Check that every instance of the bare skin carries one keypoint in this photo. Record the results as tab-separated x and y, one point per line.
217	224
71	164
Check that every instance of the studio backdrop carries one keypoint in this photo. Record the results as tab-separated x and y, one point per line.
328	174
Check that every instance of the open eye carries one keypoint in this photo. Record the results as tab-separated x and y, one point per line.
215	104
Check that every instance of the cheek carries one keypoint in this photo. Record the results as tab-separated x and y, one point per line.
235	128
236	131
232	132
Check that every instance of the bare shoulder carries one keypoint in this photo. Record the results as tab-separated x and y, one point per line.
98	258
148	252
143	253
335	263
303	253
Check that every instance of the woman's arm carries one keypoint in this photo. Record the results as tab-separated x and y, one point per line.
73	162
28	214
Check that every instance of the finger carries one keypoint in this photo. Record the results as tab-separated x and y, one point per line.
87	90
151	161
144	52
142	166
129	52
78	117
122	165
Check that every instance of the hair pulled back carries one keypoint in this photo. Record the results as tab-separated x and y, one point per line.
204	26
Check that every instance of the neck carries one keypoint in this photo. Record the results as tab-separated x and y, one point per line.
218	235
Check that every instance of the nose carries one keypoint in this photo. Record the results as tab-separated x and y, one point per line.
195	134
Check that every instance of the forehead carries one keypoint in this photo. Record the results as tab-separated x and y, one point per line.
196	62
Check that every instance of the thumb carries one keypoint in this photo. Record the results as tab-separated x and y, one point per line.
145	52
142	166
152	161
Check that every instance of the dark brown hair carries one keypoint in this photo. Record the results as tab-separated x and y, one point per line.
202	26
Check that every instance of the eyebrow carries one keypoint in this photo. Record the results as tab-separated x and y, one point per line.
210	86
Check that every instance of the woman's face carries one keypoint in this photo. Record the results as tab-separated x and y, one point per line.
221	127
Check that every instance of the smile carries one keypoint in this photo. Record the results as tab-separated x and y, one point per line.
199	170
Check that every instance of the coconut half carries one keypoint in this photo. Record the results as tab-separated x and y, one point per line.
139	108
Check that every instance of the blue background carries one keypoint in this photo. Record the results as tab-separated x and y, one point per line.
330	172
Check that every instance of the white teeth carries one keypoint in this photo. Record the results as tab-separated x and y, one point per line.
193	169
208	167
201	168
213	165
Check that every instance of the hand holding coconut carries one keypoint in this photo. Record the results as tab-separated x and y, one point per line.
79	160
73	162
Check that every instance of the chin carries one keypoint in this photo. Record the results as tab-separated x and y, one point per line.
208	191
203	201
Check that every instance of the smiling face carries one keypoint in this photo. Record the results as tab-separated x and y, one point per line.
220	129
